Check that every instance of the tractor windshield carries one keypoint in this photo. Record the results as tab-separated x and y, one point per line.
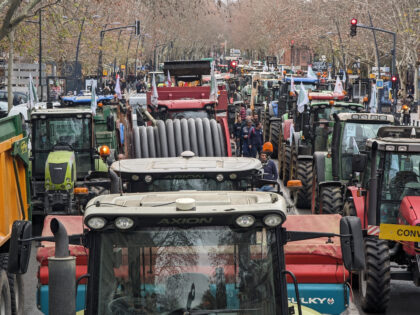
201	184
354	136
400	178
62	133
171	270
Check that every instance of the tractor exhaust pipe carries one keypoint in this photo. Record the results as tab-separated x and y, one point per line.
62	274
115	182
372	216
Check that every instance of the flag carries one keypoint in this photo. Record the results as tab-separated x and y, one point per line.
265	68
168	80
344	77
33	97
338	86
282	69
303	98
311	74
155	95
93	103
292	85
213	84
329	75
118	87
272	68
373	102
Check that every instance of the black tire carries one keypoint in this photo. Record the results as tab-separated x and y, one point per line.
304	174
275	126
193	136
216	140
280	159
151	141
222	140
375	280
349	209
157	140
178	137
200	137
162	137
136	140
170	137
207	137
5	299
331	200
143	142
185	135
17	303
315	193
286	164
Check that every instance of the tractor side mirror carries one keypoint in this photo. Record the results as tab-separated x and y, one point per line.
358	162
19	252
352	248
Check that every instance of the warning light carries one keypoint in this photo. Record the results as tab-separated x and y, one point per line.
353	21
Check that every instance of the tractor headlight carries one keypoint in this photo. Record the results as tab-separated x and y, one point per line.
68	186
148	179
219	177
124	223
233	176
245	220
273	220
96	223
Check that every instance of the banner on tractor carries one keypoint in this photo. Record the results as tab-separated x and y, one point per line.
397	232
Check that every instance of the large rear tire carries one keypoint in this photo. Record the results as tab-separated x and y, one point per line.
17	304
331	200
375	280
275	126
5	300
304	174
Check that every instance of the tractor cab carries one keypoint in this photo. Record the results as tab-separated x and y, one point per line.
189	172
196	253
63	154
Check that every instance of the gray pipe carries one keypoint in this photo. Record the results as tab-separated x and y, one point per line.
373	188
62	274
115	182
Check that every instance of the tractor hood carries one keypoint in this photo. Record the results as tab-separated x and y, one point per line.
410	210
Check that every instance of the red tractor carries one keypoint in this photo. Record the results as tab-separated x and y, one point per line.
387	200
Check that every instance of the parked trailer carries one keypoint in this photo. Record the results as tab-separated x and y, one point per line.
14	205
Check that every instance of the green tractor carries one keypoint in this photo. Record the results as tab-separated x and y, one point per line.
309	133
64	160
332	171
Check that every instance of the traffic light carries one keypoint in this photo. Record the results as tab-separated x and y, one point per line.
137	27
394	81
233	64
353	27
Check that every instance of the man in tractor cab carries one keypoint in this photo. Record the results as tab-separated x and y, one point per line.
269	167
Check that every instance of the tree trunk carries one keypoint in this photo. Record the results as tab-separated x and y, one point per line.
10	70
416	82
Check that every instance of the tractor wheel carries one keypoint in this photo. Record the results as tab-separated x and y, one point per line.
304	174
275	126
349	209
280	158
331	200
286	164
15	287
375	280
5	300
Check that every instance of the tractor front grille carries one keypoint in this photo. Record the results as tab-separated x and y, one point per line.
58	172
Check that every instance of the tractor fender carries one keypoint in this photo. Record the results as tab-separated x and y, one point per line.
319	165
333	183
359	204
286	129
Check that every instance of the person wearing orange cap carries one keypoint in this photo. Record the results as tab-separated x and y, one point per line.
405	110
270	169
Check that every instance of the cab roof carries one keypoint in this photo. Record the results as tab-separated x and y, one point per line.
366	117
186	165
168	203
61	111
397	138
